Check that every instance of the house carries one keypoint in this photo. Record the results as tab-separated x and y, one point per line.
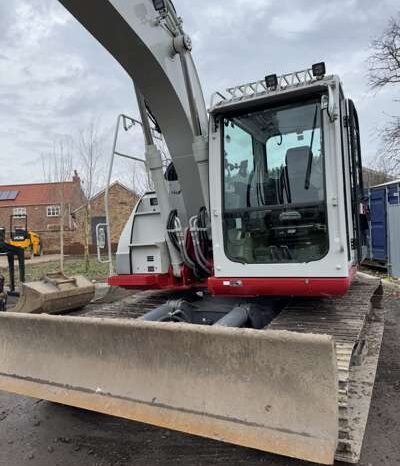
41	204
122	201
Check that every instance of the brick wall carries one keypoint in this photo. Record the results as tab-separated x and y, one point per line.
121	201
37	219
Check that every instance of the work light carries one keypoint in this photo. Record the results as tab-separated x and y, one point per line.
319	70
159	5
271	81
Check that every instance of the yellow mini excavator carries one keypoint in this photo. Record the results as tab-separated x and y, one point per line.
22	237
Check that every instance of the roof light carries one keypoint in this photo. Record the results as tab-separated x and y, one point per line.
319	70
160	5
271	81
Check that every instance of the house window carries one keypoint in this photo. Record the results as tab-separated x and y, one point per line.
19	212
53	211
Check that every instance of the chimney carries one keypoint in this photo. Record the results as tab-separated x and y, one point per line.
75	178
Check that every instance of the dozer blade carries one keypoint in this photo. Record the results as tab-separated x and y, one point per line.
53	294
271	390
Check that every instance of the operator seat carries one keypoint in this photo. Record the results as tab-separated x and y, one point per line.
296	171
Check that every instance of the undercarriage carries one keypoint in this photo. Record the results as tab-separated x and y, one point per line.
297	381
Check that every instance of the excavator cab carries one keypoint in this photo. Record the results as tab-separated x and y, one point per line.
19	233
286	197
21	236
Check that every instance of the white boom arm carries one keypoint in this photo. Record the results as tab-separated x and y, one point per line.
152	47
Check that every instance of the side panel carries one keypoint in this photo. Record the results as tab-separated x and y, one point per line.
394	194
271	390
394	235
348	184
322	287
122	258
142	248
378	224
393	214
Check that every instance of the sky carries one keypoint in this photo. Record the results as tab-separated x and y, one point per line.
55	78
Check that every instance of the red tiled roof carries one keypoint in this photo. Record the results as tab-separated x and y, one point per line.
39	193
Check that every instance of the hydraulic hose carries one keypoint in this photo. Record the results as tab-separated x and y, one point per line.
201	260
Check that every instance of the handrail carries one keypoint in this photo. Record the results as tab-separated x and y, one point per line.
132	122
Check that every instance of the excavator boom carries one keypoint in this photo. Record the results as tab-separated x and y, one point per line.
145	47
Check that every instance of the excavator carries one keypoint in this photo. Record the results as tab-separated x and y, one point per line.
21	236
250	323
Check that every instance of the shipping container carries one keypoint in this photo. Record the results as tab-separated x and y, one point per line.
384	226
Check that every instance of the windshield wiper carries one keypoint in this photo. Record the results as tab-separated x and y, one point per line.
310	155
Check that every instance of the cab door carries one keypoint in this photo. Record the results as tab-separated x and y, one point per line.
360	223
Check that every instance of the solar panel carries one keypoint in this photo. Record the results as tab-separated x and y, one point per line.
8	195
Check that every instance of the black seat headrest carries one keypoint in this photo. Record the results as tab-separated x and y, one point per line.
297	159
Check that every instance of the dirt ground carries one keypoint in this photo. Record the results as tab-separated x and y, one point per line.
38	433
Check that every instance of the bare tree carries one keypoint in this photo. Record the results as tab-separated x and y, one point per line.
134	176
384	70
384	62
391	142
90	151
57	168
377	172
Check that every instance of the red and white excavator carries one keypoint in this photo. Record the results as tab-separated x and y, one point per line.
254	327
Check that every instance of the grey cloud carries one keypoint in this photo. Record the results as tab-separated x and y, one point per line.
54	76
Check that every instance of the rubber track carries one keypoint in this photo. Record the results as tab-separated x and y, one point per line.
345	320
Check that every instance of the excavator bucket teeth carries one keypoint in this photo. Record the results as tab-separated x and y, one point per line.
271	390
55	293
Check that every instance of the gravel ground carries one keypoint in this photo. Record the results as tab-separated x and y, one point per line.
38	433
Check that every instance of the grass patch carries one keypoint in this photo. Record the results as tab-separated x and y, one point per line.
72	266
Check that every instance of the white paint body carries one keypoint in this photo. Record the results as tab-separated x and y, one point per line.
336	263
165	74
